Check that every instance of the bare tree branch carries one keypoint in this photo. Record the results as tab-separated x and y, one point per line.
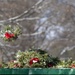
22	19
33	34
30	10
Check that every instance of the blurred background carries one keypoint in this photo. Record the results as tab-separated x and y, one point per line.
45	24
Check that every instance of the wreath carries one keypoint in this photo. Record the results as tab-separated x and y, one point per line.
10	33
